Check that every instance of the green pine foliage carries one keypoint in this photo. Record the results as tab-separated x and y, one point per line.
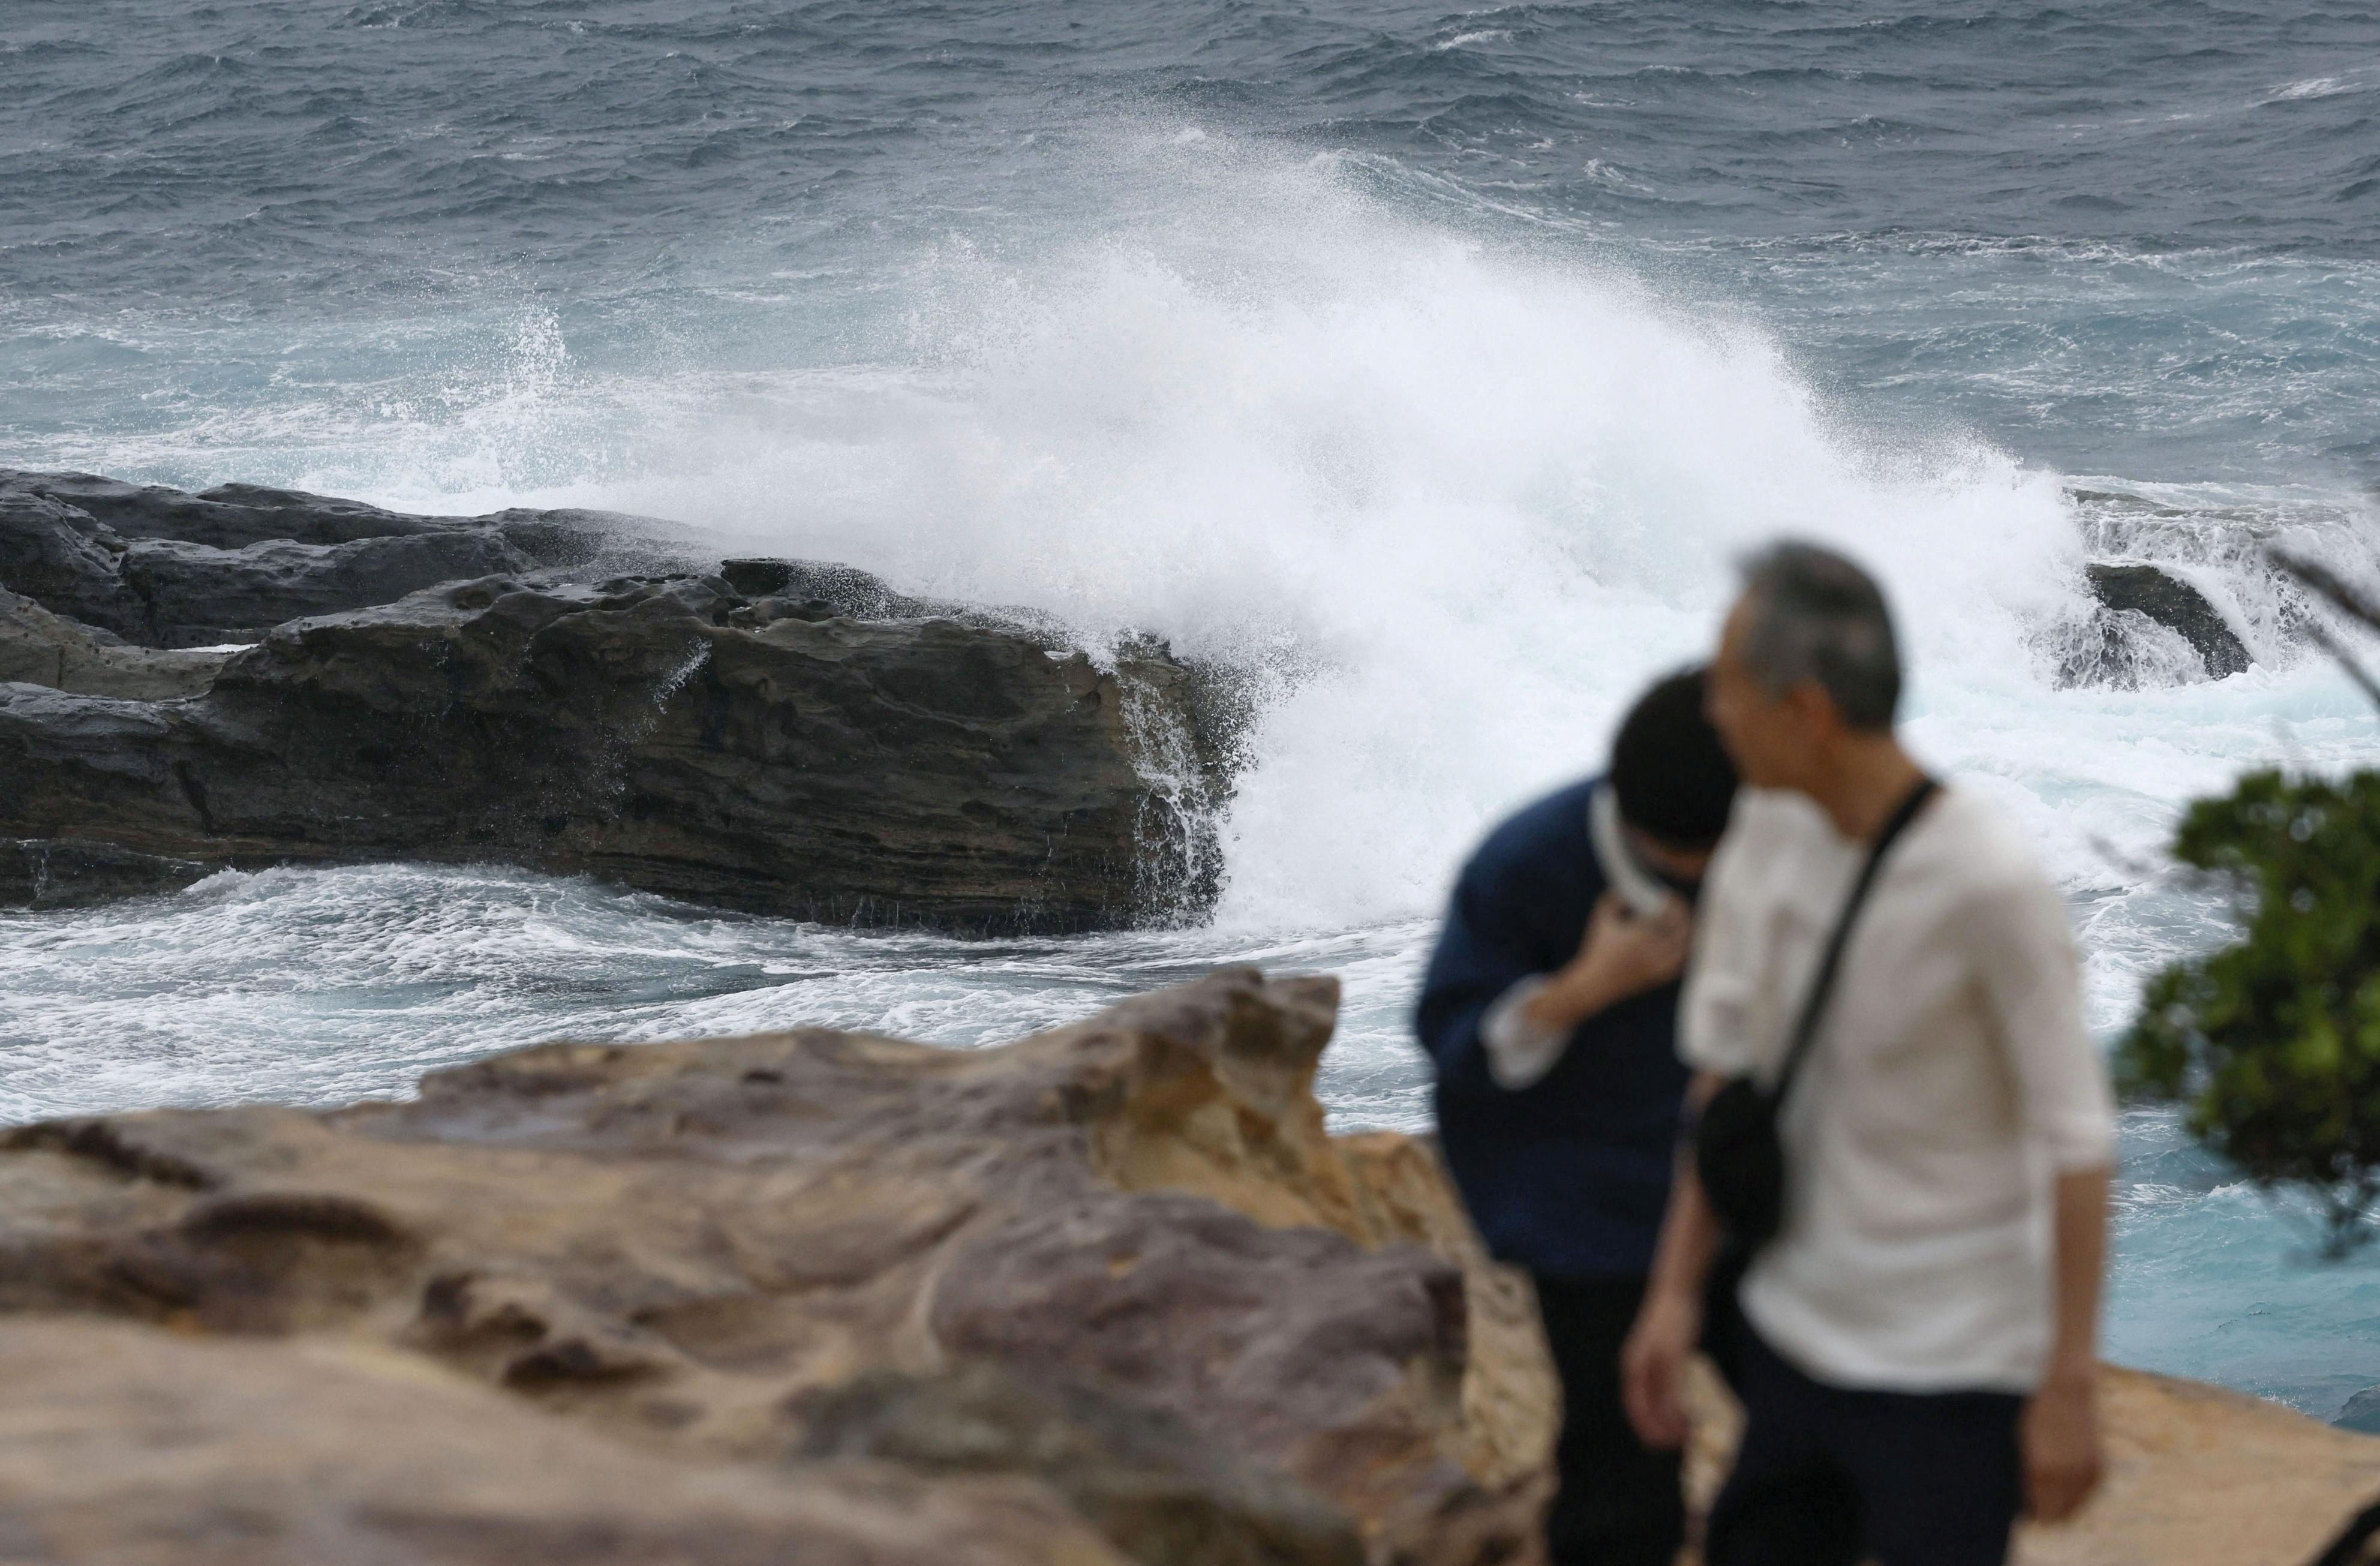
2274	1041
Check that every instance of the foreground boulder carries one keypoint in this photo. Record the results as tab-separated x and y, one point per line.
133	1447
668	734
1116	1276
1108	1294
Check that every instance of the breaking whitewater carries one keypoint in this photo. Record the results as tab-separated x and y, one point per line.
1443	505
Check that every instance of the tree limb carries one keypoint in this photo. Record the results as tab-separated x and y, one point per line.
2341	595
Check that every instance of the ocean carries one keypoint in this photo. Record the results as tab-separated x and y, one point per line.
1432	365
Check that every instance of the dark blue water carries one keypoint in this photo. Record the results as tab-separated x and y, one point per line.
2128	238
1438	359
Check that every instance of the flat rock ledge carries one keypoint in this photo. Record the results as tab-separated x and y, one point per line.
253	677
1107	1295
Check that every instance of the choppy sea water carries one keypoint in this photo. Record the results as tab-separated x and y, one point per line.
1435	361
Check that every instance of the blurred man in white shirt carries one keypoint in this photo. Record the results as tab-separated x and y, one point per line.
1921	1345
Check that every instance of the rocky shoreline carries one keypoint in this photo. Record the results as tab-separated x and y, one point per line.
249	677
1107	1295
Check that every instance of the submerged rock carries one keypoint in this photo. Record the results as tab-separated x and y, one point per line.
2362	1413
1118	1271
64	873
2167	600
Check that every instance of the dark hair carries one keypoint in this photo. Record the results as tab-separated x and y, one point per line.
1668	773
1817	616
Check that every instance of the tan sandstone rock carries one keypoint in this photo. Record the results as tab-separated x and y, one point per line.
2200	1475
134	1447
1108	1294
824	1247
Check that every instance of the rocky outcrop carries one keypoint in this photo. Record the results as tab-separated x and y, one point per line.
2198	1476
41	649
1115	1278
1108	1294
813	745
133	1447
887	773
2167	600
68	873
162	568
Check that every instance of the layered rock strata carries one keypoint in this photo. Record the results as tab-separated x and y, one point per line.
1108	1294
1113	1282
817	746
162	568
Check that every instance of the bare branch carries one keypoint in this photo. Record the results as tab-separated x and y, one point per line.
2341	595
2346	660
2328	585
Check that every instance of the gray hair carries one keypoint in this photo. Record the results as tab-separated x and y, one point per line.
1816	616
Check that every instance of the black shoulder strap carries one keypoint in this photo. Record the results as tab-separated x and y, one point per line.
1815	1007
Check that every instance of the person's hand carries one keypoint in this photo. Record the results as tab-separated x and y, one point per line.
1653	1367
1622	955
2060	1442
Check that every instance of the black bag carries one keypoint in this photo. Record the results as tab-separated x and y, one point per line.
1738	1155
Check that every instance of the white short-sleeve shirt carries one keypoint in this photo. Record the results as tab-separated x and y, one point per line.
1951	1081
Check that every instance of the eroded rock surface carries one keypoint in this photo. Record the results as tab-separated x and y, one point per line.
41	649
2201	1476
162	568
1127	1240
1107	1295
132	1447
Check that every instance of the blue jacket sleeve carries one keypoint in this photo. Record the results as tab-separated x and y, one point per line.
1483	951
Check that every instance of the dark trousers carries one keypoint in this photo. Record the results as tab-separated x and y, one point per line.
1829	1476
1619	1504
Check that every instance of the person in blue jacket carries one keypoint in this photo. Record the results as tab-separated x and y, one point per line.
1550	1012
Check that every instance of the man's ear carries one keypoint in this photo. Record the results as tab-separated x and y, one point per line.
1814	710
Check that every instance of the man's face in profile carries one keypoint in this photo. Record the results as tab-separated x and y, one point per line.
1768	736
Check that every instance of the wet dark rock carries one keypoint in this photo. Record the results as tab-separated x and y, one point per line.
164	568
42	649
838	590
914	772
252	676
2362	1413
191	595
60	558
62	873
229	517
2175	604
